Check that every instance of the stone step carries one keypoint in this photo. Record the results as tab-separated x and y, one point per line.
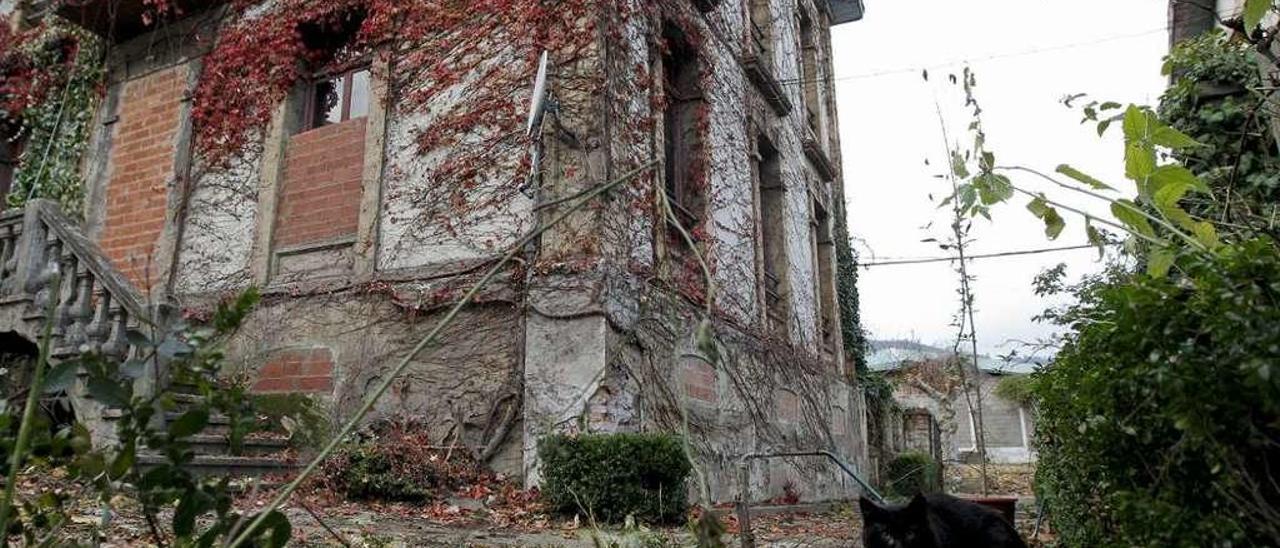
219	424
217	445
222	465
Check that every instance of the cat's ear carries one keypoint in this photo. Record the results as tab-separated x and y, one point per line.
869	507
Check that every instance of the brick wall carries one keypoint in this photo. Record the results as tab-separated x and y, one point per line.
300	370
320	193
142	159
788	406
699	380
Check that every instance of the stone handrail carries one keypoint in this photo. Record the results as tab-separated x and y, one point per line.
48	261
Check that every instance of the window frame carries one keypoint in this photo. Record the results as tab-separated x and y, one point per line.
347	77
680	81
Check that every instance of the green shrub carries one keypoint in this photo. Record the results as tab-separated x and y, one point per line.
911	473
1159	419
616	475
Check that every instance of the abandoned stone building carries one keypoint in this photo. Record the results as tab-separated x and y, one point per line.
935	415
362	162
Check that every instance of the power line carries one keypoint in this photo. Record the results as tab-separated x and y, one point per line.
986	256
993	57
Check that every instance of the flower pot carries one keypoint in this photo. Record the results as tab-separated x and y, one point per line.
1007	506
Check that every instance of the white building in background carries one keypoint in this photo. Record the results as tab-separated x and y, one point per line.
936	416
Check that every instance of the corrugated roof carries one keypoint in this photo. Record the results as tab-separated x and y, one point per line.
891	355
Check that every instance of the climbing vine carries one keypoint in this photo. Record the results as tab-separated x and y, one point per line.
264	55
1216	98
50	85
854	338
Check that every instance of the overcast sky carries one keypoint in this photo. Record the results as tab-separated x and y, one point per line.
1027	55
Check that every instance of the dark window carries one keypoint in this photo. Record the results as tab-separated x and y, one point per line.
809	71
824	255
773	250
9	152
338	98
680	131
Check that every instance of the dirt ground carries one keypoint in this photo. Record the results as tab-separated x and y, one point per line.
480	516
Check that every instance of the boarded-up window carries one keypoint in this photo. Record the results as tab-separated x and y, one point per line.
825	284
810	78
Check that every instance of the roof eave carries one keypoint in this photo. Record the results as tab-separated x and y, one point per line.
846	11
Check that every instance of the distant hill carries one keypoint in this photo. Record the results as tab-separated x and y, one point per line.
887	355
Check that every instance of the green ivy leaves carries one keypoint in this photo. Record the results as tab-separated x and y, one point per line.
56	129
1053	221
1254	11
1082	177
1154	217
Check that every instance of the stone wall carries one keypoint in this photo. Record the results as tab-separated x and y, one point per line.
358	243
339	346
756	395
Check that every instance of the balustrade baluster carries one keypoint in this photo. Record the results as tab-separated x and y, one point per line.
98	330
81	308
7	243
66	293
51	261
117	344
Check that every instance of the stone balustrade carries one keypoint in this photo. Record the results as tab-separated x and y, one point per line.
63	278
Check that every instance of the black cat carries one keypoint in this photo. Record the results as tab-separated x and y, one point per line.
935	521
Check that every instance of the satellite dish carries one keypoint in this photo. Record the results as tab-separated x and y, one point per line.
538	105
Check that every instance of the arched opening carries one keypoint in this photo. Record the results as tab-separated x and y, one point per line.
18	358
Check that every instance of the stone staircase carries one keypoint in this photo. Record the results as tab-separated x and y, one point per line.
46	263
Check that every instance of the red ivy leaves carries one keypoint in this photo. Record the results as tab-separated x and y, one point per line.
258	60
24	80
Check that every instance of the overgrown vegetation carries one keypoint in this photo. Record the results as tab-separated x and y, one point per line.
1214	99
301	417
1160	428
911	473
200	509
1015	388
51	80
851	335
613	476
395	460
1159	421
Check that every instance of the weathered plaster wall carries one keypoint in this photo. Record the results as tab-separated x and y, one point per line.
476	365
734	111
217	241
426	223
761	396
759	399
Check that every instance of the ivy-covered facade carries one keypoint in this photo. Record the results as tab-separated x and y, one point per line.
362	162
